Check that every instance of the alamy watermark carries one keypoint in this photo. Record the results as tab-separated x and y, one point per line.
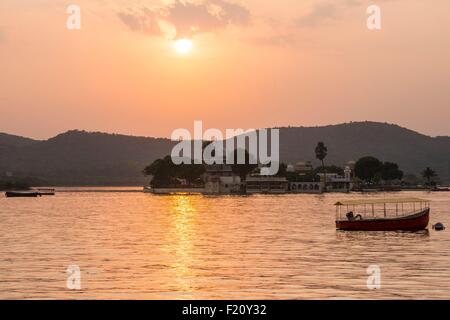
73	281
230	148
374	19
73	21
374	279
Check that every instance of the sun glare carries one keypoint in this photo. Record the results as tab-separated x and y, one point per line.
183	46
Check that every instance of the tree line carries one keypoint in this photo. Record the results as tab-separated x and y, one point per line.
167	174
371	170
368	169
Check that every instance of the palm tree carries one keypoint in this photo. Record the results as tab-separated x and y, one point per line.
321	154
428	174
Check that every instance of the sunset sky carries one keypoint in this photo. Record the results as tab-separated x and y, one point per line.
252	64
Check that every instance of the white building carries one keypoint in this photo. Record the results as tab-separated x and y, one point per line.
303	166
220	179
306	187
336	182
266	184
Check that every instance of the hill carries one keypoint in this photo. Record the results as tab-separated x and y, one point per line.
93	158
9	140
79	158
411	150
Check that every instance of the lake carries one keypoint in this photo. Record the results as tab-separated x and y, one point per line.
141	246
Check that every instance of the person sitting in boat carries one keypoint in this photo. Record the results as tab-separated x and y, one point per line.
351	216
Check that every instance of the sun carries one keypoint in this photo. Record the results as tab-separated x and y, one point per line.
183	46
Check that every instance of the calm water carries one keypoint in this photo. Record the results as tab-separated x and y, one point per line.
135	245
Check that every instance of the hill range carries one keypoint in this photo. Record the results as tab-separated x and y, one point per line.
93	158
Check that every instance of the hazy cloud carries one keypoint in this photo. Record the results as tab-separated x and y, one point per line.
319	13
142	20
326	11
183	19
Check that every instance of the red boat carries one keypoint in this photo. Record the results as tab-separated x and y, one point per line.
408	214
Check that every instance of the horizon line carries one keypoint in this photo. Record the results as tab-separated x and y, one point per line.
274	127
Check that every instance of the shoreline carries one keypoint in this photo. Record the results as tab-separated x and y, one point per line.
139	189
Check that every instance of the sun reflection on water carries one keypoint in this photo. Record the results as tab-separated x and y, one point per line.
141	246
183	220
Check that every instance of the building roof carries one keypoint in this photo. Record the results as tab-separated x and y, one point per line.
378	201
266	178
218	168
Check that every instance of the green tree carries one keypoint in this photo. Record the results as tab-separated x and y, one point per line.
368	169
329	169
191	172
390	171
163	172
282	170
429	174
321	153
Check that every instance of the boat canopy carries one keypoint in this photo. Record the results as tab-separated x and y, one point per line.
378	201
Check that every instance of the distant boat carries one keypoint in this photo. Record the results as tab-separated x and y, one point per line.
437	189
409	214
22	194
46	191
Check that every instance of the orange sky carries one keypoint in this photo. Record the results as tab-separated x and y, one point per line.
255	63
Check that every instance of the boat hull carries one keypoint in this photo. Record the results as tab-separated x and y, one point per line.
440	190
14	194
46	191
417	221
